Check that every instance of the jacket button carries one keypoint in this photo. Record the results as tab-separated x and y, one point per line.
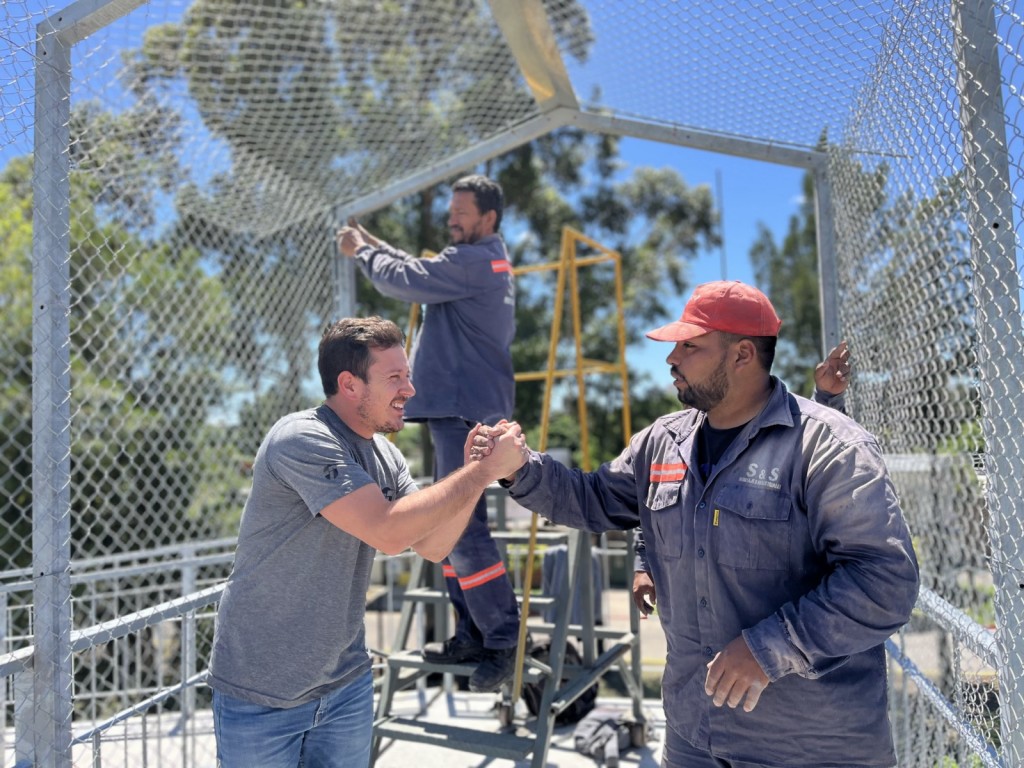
708	652
703	602
700	552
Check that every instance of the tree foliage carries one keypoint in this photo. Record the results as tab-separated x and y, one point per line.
908	298
788	273
140	368
250	89
190	336
918	304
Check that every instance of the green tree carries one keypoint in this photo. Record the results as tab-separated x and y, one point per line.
15	357
921	304
350	66
140	369
788	273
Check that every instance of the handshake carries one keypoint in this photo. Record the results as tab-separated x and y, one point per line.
503	446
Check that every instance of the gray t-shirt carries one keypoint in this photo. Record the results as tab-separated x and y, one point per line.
290	624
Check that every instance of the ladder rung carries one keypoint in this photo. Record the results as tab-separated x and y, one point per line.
523	537
425	595
502	745
572	691
575	630
537	601
415	660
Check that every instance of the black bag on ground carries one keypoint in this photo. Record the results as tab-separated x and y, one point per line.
603	734
534	692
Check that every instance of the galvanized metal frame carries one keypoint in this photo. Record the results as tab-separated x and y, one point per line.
997	293
51	375
993	258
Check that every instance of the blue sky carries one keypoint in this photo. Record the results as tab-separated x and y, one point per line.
751	192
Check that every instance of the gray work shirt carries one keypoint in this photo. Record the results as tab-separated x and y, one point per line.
797	542
820	396
462	356
290	623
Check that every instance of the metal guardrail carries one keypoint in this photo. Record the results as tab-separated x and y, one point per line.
975	740
17	664
122	578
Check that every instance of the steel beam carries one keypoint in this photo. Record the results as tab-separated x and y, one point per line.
524	23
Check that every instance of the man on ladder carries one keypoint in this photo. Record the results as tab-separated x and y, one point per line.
462	367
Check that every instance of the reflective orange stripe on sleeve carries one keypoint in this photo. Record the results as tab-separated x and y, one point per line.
661	473
501	265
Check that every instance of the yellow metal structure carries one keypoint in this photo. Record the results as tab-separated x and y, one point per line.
414	312
568	267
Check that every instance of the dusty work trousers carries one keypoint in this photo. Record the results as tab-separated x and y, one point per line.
478	584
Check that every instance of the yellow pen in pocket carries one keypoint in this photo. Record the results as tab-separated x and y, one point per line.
714	520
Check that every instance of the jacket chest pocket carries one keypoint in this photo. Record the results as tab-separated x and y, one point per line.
752	528
666	519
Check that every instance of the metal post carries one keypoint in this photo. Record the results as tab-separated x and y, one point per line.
636	663
828	273
51	408
1000	351
559	637
343	274
23	726
51	374
585	592
3	686
189	584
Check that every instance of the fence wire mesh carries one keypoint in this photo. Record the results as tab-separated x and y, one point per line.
930	291
206	147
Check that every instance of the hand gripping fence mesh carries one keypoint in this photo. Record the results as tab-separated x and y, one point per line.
171	175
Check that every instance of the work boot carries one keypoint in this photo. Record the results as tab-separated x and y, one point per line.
497	668
454	650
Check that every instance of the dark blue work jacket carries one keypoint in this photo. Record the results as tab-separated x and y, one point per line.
796	541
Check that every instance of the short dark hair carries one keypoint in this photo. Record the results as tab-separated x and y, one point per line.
346	346
487	194
765	346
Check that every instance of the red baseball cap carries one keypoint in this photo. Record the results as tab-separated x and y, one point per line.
724	305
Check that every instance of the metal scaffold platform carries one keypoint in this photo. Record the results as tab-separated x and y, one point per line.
561	677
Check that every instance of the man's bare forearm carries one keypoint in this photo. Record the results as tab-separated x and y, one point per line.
439	508
438	544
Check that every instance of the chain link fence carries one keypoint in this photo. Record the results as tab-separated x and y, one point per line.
171	175
927	184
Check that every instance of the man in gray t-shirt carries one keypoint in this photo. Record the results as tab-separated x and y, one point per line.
290	669
462	365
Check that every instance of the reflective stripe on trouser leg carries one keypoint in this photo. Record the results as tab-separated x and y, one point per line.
486	608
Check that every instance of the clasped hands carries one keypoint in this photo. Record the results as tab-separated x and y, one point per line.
505	438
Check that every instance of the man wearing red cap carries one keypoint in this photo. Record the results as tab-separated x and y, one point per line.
776	544
831	378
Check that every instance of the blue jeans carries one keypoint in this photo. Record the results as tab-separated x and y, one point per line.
330	732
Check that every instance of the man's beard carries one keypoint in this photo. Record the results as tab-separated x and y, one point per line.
468	238
383	428
706	396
